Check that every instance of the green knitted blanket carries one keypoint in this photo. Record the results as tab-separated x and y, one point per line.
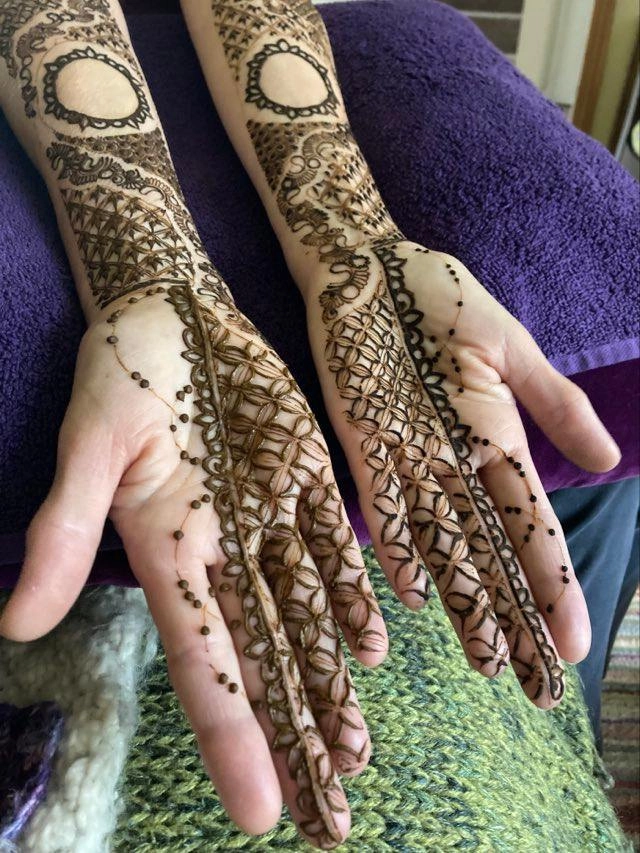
459	762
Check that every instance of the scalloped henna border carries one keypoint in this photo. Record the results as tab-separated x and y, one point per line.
53	105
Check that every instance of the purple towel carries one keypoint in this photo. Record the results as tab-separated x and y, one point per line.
471	159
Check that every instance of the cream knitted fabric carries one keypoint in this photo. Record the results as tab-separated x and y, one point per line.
90	665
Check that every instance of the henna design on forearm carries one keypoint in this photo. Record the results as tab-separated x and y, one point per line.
318	174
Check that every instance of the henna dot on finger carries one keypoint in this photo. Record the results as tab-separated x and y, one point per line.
233	687
112	339
205	499
564	568
551	531
184	454
173	428
188	389
194	460
183	584
223	678
180	395
189	596
184	418
195	504
212	592
197	603
178	535
144	383
135	375
205	630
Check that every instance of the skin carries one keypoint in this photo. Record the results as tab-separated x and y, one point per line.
118	455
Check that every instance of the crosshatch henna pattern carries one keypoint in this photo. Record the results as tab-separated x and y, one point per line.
290	558
388	374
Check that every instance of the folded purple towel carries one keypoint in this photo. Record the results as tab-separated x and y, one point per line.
471	159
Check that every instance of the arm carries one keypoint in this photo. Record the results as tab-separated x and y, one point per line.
187	429
422	401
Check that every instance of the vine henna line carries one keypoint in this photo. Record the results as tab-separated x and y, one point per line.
255	93
241	24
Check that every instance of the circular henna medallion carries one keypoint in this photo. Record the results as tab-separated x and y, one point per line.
110	96
288	81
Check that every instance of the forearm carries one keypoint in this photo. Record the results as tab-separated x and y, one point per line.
270	71
73	91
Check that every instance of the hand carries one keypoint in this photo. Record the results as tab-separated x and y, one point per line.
189	431
420	370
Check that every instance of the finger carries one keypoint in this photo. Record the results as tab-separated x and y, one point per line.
559	407
328	535
302	599
64	535
443	547
533	654
539	543
207	678
385	514
308	780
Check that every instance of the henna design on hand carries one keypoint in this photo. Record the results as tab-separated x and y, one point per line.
499	561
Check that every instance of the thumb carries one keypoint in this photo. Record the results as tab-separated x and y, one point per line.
560	408
64	535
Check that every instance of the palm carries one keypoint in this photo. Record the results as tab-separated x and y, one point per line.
412	369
